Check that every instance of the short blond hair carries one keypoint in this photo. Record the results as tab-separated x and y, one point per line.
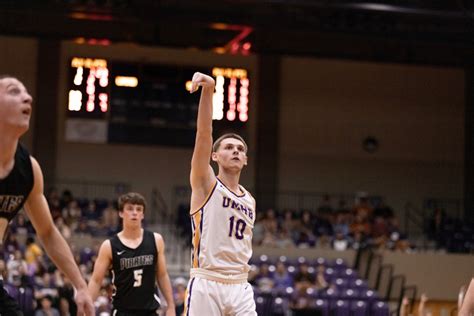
218	141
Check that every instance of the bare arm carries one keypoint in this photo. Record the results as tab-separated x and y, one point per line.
404	307
467	307
202	176
102	264
162	276
422	305
55	245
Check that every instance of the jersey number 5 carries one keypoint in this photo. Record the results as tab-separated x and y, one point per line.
240	225
137	274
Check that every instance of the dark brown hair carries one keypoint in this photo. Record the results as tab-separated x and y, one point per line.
131	198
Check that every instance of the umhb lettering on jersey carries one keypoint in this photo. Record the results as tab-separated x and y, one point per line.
9	203
222	231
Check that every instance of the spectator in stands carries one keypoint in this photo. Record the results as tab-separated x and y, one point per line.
340	242
341	224
362	209
110	220
270	224
179	294
64	309
305	228
383	210
63	228
303	279
66	292
72	214
360	225
11	243
289	224
17	267
46	308
281	277
284	240
66	198
32	253
321	282
264	279
83	228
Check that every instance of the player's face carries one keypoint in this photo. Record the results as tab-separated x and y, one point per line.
231	154
132	213
15	104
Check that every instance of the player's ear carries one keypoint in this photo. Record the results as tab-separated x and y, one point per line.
214	156
245	160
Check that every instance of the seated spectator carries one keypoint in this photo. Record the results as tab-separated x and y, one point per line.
179	294
281	276
46	307
269	222
363	209
284	240
17	268
321	282
72	214
63	228
263	279
340	242
305	228
303	279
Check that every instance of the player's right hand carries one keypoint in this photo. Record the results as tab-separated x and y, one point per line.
85	306
201	80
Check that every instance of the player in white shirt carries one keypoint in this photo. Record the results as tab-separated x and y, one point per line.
223	215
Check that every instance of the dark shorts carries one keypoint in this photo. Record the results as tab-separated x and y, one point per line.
8	306
116	312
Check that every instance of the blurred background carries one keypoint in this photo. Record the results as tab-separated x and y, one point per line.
359	117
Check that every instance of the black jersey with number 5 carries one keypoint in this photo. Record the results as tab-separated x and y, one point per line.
134	274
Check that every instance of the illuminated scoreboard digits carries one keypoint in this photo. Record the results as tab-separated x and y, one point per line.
236	103
126	102
88	90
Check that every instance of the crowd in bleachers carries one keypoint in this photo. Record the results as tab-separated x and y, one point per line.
42	289
308	286
338	228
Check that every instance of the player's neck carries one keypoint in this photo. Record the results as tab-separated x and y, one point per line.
132	232
230	180
8	145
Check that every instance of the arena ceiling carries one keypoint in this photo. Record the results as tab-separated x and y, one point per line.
439	32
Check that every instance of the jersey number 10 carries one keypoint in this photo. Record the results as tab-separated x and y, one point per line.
240	225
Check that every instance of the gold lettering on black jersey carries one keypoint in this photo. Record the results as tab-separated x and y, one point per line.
9	203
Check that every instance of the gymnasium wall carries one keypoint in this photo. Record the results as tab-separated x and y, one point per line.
18	58
417	113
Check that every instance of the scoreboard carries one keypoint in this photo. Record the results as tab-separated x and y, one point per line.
137	103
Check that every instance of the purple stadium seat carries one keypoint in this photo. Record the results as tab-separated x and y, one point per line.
349	294
322	306
348	273
358	284
339	264
368	295
341	308
380	308
280	306
359	308
329	274
341	283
